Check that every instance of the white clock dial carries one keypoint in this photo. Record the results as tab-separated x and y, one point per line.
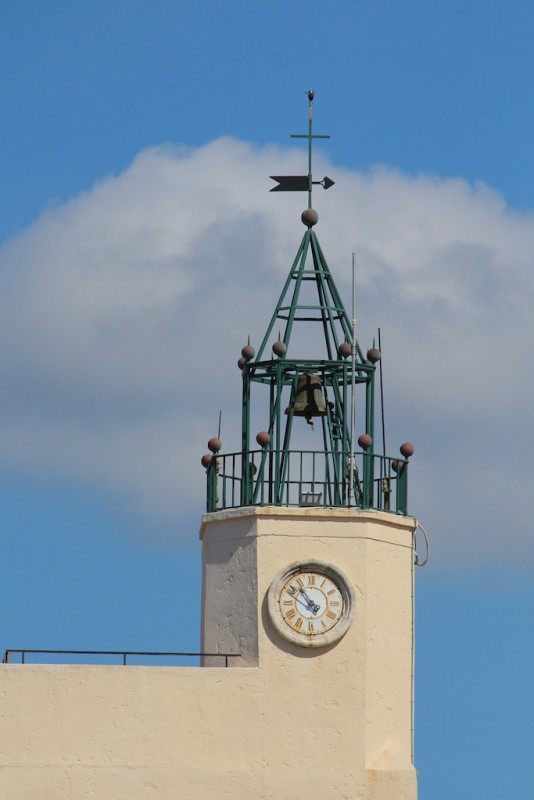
311	603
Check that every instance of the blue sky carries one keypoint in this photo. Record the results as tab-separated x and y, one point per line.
135	150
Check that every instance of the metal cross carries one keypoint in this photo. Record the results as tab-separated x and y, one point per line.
309	136
303	183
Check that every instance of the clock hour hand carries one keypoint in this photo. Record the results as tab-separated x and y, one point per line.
314	607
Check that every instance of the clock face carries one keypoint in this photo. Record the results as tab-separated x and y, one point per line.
311	603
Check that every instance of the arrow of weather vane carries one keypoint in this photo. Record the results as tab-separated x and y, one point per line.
297	183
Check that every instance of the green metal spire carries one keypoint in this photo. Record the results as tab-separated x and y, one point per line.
298	396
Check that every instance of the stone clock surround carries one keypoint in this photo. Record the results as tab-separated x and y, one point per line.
309	602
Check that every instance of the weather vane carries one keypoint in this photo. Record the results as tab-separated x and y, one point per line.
303	183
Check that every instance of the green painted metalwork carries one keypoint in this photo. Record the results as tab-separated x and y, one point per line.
306	481
317	341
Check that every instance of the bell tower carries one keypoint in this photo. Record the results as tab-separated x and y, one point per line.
308	549
306	684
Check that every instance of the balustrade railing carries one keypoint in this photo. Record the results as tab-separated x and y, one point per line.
301	478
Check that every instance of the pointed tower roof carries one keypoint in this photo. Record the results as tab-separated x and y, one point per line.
310	294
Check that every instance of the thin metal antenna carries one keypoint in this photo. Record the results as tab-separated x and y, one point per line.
220	420
310	123
353	393
382	396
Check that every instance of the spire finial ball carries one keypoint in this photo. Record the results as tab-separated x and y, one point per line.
214	444
263	438
373	355
407	449
248	352
365	441
310	217
279	348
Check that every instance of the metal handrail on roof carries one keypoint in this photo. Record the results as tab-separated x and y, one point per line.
123	653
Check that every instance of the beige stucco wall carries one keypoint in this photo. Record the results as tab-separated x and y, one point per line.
332	723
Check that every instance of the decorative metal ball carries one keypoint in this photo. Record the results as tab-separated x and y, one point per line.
365	441
407	449
279	348
241	362
206	460
345	349
214	444
263	438
310	217
248	352
395	465
373	354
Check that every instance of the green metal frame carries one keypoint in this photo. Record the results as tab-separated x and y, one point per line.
280	474
307	481
280	376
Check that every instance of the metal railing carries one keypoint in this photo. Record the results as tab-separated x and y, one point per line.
301	478
123	654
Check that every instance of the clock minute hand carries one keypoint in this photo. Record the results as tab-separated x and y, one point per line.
314	607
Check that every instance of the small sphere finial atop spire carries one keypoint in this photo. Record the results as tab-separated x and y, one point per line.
310	217
311	95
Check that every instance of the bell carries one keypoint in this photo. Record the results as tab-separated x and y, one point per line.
309	401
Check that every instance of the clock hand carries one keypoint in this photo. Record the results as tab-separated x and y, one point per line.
297	590
314	607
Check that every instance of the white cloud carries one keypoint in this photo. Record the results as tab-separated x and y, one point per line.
123	311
